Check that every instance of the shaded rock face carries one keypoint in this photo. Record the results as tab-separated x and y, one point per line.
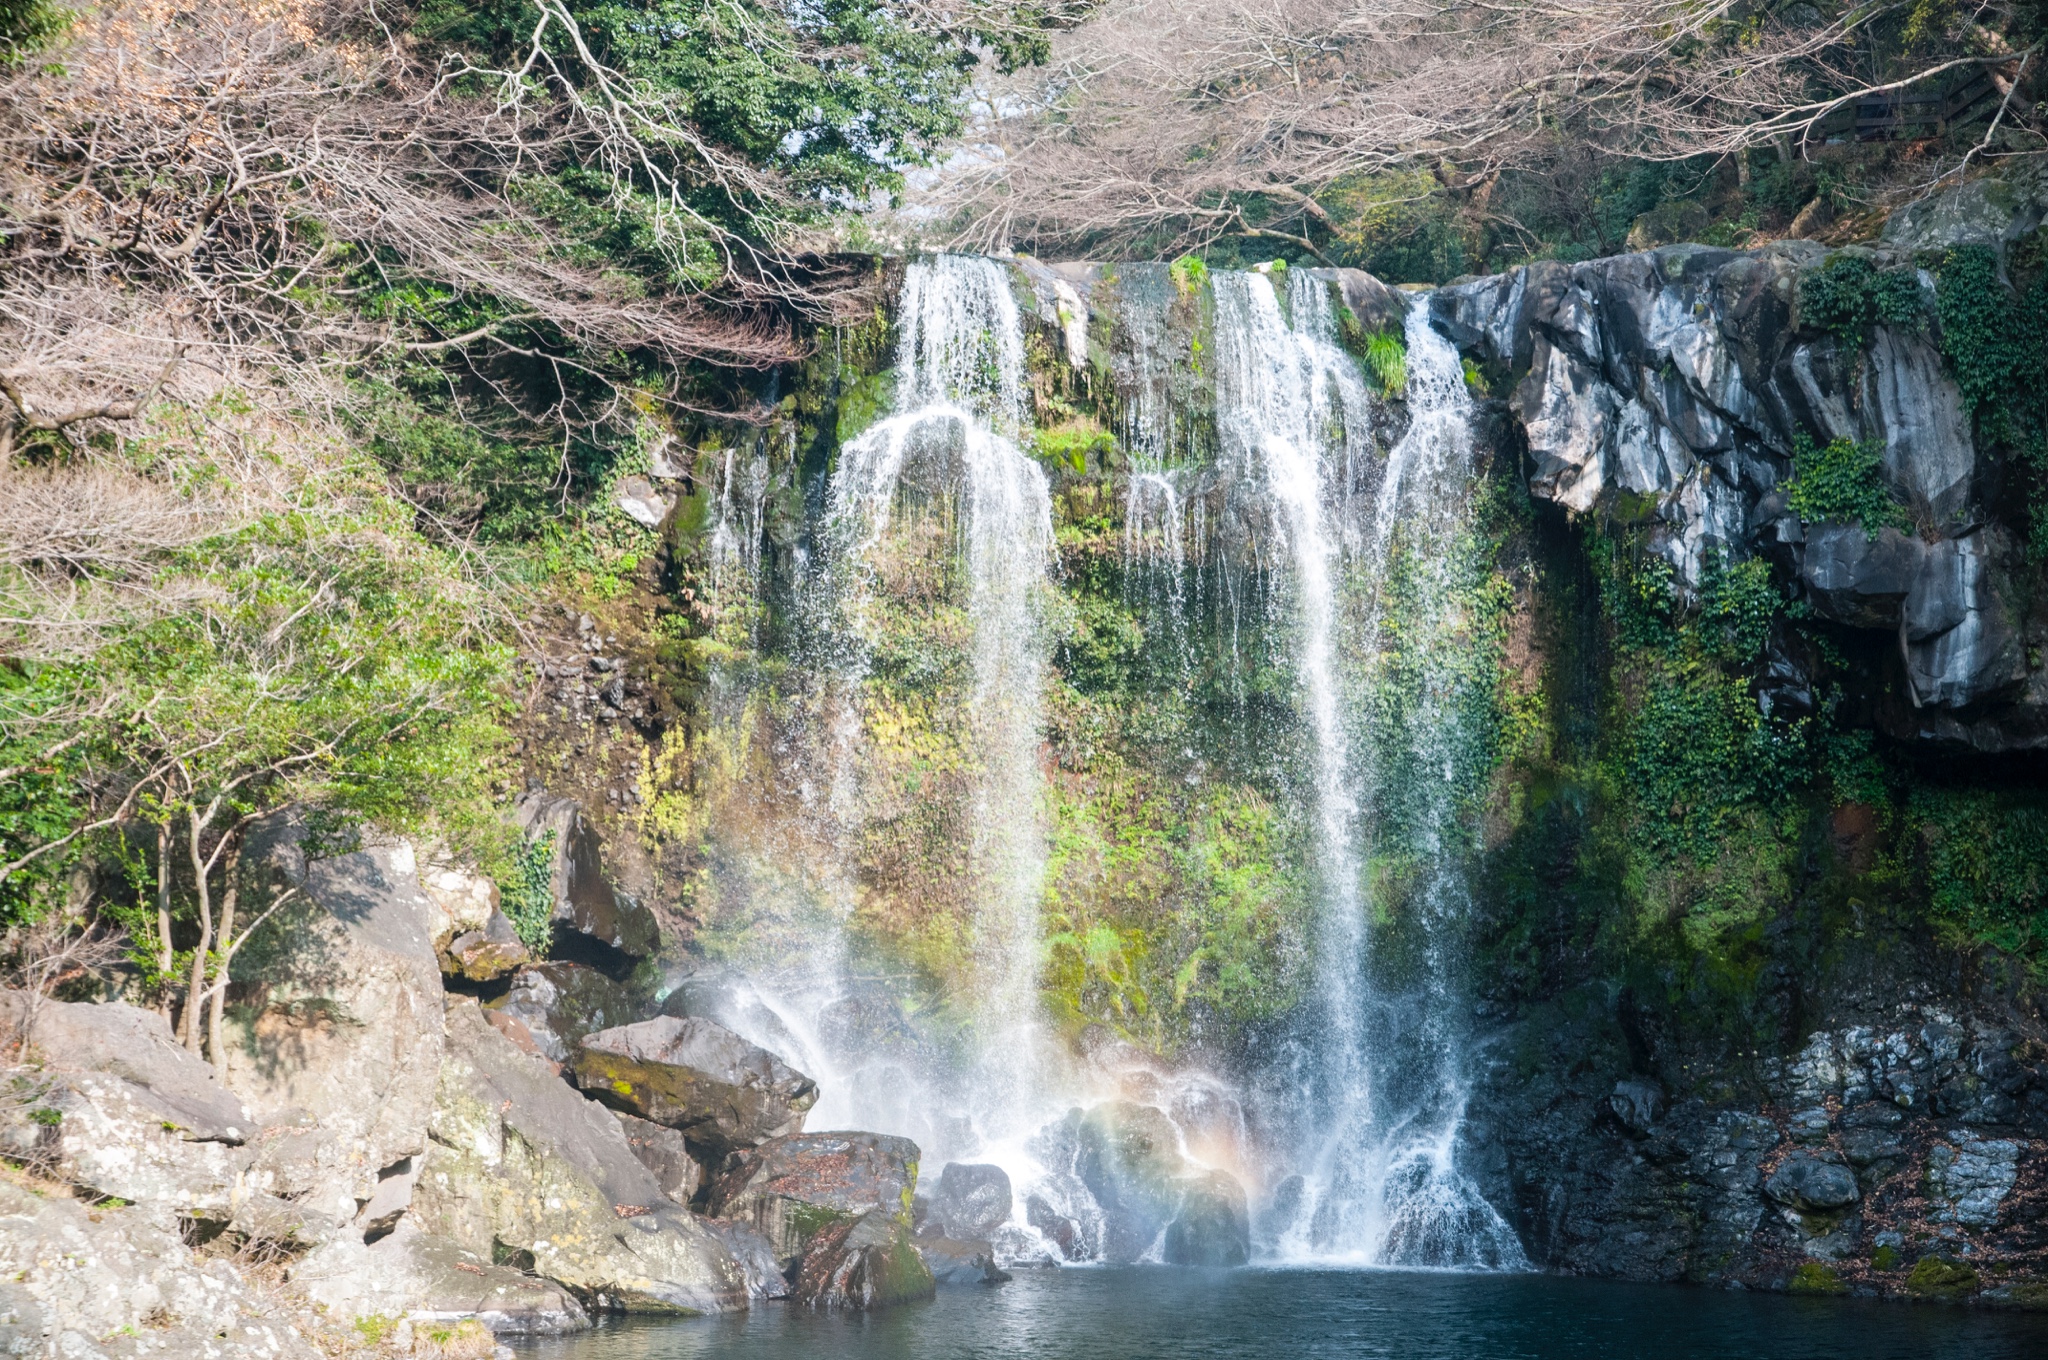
1152	1200
585	900
1669	388
969	1202
698	1077
556	1004
953	1262
119	1283
1899	1125
790	1189
662	1151
521	1168
338	1048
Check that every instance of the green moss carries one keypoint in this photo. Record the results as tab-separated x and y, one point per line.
1885	1258
1069	449
1814	1278
808	1220
1934	1278
1984	861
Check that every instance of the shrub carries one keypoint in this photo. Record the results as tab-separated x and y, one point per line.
1843	483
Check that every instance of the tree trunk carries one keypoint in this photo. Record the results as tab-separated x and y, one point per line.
216	1006
165	957
195	994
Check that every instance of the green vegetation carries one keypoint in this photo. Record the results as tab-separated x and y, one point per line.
1848	295
1386	358
1843	483
1994	337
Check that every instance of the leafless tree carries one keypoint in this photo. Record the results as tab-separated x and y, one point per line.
1176	121
193	194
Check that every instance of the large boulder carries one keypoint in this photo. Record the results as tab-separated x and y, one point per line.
102	1283
423	1278
789	1189
585	900
556	1004
1128	1156
523	1169
969	1202
698	1077
1213	1224
121	1109
337	1045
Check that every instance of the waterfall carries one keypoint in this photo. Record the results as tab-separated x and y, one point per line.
958	419
1380	1097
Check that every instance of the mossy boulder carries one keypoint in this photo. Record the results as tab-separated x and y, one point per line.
793	1190
1936	1278
697	1077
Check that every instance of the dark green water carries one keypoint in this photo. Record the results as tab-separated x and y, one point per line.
1141	1313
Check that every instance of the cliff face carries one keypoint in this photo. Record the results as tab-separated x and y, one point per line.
1839	1083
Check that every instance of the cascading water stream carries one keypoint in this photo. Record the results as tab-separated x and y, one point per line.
959	414
1382	1098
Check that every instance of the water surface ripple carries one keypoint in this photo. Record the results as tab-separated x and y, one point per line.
1153	1313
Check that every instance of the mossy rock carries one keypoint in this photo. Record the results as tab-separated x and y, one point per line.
1815	1278
1885	1258
1934	1278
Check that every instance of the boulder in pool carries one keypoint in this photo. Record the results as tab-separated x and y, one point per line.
952	1261
698	1077
970	1201
1213	1227
791	1189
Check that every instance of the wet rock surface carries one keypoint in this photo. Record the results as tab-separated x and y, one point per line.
954	1262
866	1262
789	1189
697	1077
1151	1199
968	1201
585	899
1897	1133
